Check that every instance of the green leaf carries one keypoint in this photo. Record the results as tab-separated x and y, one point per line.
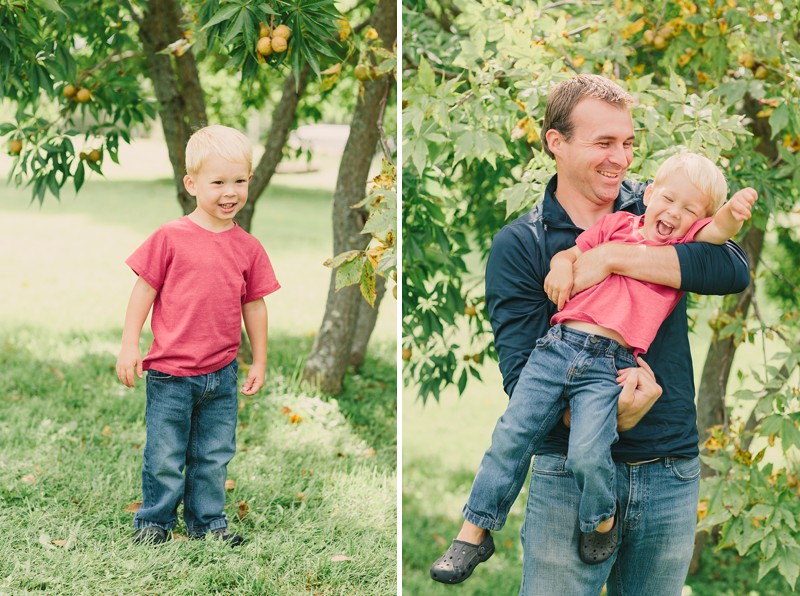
779	119
368	283
342	258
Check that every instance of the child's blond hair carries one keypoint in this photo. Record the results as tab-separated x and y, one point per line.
222	141
702	173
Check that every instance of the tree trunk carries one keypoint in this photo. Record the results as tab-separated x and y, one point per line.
176	82
711	407
283	118
330	355
365	323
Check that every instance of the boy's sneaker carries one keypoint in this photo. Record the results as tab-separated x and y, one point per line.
222	534
150	535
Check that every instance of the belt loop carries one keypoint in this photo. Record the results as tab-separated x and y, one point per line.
556	330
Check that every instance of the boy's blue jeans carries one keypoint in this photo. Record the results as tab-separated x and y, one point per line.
191	426
566	368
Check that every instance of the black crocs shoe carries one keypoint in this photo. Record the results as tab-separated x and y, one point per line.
150	535
222	534
597	547
460	560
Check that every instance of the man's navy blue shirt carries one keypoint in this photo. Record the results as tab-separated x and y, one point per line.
520	313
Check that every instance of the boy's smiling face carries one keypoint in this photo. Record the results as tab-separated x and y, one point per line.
673	206
220	188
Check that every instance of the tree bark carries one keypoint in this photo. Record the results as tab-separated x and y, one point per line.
181	104
283	118
711	407
330	355
365	322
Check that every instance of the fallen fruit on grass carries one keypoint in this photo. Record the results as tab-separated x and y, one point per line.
15	147
264	46
761	72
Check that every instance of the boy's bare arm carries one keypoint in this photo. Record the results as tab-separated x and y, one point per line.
558	283
129	361
729	219
256	323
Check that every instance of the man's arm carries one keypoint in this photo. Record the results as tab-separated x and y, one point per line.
697	267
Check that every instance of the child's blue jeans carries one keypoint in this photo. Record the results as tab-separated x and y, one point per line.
566	368
191	427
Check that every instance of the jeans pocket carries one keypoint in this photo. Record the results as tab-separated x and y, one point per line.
156	375
550	464
686	469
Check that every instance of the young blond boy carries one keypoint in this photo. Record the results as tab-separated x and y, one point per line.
594	335
201	274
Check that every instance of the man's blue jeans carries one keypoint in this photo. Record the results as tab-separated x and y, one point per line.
191	425
567	367
658	505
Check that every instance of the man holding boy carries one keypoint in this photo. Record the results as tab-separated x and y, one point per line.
588	130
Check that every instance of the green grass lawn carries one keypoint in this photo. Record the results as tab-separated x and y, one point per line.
318	488
443	443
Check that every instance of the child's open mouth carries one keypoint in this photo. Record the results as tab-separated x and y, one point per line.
664	229
227	207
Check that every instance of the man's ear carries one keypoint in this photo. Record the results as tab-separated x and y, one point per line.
647	192
554	140
188	184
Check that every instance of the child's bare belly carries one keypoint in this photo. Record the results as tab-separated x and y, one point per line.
596	330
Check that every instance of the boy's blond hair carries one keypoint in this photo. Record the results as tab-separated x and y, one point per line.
701	172
222	141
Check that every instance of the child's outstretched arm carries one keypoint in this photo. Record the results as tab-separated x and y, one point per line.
730	217
129	361
255	323
558	283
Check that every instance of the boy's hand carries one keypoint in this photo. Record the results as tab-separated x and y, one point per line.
741	203
558	284
255	379
129	365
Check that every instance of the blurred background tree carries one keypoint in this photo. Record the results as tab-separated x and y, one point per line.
718	77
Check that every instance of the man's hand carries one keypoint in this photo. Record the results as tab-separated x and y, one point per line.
129	365
590	268
255	379
639	392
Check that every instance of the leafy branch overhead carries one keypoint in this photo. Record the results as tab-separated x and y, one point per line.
380	255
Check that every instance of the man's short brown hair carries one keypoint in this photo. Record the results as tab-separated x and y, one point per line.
566	95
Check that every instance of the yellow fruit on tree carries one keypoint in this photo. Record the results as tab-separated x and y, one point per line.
69	91
94	155
15	147
362	72
648	36
659	42
83	95
282	31
406	354
394	292
279	44
747	60
263	30
470	311
264	46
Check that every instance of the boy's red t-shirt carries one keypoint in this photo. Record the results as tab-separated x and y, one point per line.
634	309
202	278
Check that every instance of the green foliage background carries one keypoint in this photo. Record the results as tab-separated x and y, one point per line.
718	77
